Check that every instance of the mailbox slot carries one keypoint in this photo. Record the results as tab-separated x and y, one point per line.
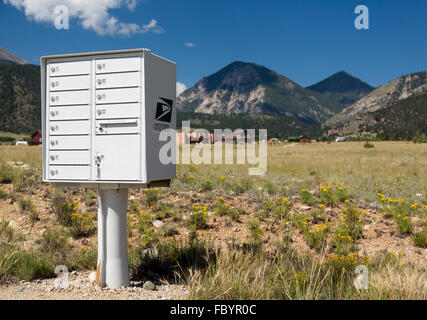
117	111
69	172
69	113
118	80
108	96
67	98
69	157
69	83
106	127
118	65
69	143
69	128
69	68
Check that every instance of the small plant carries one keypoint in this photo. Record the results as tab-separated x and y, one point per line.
300	221
198	218
270	187
148	236
82	225
151	196
7	232
307	197
255	231
63	208
420	238
280	208
317	236
7	173
368	145
207	186
27	206
55	242
221	208
327	196
343	243
404	224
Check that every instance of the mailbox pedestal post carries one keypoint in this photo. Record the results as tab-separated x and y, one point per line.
113	267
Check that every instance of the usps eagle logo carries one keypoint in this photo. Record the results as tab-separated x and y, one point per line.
164	110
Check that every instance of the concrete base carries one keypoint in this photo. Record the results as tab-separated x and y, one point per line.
113	268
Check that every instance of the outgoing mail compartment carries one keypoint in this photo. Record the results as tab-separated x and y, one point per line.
69	83
69	128
118	80
106	127
66	98
69	172
69	143
69	157
127	95
69	68
118	65
117	111
69	113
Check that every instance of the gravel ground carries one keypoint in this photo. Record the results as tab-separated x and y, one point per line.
80	288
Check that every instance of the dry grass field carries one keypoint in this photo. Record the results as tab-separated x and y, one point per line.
298	232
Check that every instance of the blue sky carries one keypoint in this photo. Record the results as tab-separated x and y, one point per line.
305	40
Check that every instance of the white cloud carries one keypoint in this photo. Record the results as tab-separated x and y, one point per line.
180	88
190	45
93	14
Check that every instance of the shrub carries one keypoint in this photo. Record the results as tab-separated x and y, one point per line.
404	224
82	225
255	231
368	145
63	208
307	197
151	196
420	238
198	218
317	236
55	242
7	173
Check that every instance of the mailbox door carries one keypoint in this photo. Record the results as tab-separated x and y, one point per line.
118	157
127	64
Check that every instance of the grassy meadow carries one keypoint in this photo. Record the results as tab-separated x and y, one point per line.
298	232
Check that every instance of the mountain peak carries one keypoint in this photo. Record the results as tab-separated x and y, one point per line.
8	57
343	88
243	87
341	81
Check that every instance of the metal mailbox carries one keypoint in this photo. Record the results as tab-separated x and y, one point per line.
99	117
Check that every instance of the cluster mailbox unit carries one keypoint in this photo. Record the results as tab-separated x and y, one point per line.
102	114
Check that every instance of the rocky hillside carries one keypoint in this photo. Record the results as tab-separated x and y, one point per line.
7	57
358	117
250	88
277	126
400	120
19	98
342	88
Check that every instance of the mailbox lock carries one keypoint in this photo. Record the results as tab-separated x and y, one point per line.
52	128
99	97
52	143
52	157
52	173
52	69
99	66
99	81
99	112
52	113
52	84
52	99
